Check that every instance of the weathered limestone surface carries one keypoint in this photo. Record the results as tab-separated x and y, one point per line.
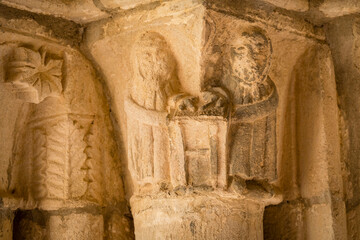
58	152
205	217
215	65
344	38
79	10
336	8
125	4
6	220
296	5
76	226
181	119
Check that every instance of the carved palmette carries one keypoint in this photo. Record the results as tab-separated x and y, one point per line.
252	150
65	164
49	170
148	144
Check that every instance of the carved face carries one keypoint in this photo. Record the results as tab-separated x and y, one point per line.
155	61
249	56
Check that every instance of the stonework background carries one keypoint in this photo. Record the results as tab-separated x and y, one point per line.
314	66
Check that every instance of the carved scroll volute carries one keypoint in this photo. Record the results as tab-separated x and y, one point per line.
252	150
36	73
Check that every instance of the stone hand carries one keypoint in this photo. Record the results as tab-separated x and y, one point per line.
186	103
213	102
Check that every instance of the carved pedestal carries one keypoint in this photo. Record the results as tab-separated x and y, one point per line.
197	216
202	167
196	202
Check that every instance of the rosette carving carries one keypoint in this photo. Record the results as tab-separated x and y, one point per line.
35	71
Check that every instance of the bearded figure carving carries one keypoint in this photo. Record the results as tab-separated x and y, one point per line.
155	89
253	118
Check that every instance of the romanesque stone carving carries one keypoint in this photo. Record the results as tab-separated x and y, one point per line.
199	118
60	158
66	162
31	70
198	128
253	119
59	151
198	142
202	143
155	85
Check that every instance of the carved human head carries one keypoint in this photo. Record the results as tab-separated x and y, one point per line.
153	57
250	55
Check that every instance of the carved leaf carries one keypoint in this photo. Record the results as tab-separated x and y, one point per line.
93	167
39	168
33	69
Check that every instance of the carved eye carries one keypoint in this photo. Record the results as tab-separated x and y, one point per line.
238	51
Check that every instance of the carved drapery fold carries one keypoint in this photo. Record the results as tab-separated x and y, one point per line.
201	147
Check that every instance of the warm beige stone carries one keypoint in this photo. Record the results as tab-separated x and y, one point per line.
294	5
192	217
81	11
120	227
80	226
336	8
6	219
225	119
59	151
344	37
284	221
125	4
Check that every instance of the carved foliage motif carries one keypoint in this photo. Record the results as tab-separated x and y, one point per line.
58	175
85	160
49	177
59	155
93	165
36	70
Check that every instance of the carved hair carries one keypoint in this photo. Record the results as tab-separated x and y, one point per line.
154	71
154	48
250	37
246	66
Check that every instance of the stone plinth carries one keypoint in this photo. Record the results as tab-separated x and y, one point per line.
197	216
82	226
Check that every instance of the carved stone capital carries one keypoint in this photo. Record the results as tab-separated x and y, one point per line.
35	71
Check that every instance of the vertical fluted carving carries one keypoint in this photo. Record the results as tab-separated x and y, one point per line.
39	166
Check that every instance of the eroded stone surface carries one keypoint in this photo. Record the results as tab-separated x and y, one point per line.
336	8
217	109
81	11
205	217
76	226
60	152
6	220
125	4
296	5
